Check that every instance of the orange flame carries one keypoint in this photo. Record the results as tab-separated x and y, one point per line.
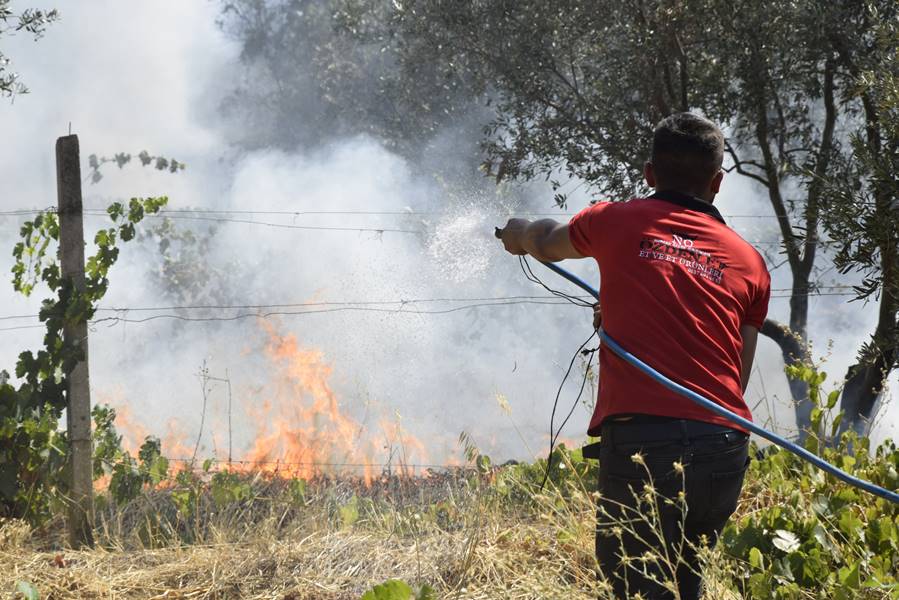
300	429
133	432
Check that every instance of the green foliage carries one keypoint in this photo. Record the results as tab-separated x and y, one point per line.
815	533
129	476
160	163
297	491
394	589
186	495
823	423
229	488
324	68
30	20
28	590
862	216
32	450
579	85
349	512
812	531
570	473
32	454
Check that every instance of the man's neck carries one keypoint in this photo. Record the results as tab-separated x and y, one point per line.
688	201
705	197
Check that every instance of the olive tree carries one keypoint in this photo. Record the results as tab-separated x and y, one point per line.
862	216
31	21
319	70
574	89
579	86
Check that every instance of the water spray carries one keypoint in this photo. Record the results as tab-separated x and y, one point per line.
704	402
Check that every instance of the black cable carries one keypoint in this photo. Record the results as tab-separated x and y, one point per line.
577	301
553	436
385	302
588	352
532	277
265	315
378	230
399	303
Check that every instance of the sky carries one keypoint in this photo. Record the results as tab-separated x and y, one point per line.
152	75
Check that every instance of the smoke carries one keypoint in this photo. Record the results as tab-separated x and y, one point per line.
152	76
837	327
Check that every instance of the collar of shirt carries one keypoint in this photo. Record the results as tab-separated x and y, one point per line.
689	202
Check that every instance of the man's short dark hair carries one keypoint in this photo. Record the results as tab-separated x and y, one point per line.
687	151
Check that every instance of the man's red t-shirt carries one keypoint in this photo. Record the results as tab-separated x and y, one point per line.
676	285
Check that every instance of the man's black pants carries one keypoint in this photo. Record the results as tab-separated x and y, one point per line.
654	513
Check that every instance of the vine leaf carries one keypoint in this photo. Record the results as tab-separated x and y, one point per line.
95	163
786	541
32	449
27	589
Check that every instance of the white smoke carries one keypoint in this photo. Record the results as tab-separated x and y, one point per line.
150	76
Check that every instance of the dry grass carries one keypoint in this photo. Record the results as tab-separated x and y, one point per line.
504	562
480	550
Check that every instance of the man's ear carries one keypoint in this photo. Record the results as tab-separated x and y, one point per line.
649	174
715	186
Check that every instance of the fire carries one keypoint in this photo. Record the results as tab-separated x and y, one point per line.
300	428
174	444
402	446
133	432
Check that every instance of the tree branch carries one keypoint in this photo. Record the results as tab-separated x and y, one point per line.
825	150
738	165
780	334
684	74
774	194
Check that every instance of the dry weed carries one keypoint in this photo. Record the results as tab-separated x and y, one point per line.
270	548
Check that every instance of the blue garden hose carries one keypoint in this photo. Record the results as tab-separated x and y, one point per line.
720	410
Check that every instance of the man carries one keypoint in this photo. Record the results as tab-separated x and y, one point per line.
687	295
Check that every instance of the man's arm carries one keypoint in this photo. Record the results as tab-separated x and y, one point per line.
750	337
545	240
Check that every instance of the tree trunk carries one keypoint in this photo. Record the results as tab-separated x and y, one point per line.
792	339
793	349
865	380
801	257
864	383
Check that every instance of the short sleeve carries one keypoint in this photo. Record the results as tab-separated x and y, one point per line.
585	229
758	310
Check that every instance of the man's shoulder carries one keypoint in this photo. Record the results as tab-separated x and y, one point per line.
740	243
615	206
749	253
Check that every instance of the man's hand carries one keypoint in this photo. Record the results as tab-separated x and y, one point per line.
512	236
597	316
545	239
